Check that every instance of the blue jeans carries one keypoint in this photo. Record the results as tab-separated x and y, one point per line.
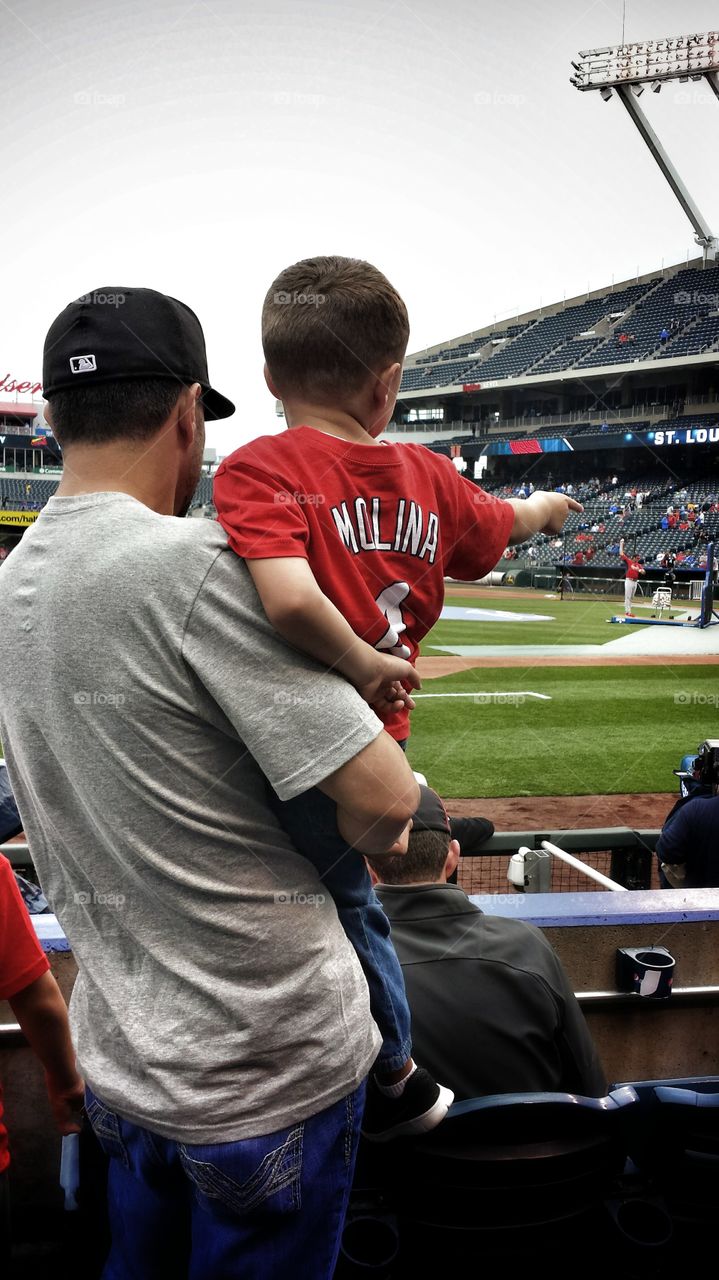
311	820
269	1208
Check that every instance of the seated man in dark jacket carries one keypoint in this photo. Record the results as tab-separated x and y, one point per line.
688	848
492	1008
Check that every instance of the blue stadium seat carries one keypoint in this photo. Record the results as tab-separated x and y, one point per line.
512	1179
676	1147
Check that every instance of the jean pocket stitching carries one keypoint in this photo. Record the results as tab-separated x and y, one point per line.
278	1170
106	1125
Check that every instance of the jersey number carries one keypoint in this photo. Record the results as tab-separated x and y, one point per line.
389	602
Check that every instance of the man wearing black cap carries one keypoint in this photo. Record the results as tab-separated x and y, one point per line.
491	1005
114	374
220	1016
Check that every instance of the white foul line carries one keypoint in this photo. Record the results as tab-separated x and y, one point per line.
479	693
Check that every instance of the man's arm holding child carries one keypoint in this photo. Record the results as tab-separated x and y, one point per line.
376	794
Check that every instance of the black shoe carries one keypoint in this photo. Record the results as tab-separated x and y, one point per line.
471	833
421	1106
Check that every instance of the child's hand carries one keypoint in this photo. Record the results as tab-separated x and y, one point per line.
558	507
394	699
67	1103
383	686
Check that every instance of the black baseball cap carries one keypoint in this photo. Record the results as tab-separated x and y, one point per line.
430	814
116	333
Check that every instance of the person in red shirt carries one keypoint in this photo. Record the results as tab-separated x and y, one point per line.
348	539
36	1000
635	567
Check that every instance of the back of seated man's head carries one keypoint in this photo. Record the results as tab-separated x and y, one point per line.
432	854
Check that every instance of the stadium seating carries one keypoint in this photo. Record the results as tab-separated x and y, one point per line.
14	489
641	528
203	493
566	355
629	321
677	301
17	494
675	1146
518	1181
701	335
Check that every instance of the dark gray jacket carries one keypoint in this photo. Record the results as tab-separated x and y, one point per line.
492	1008
691	836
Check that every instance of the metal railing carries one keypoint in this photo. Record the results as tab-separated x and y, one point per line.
577	863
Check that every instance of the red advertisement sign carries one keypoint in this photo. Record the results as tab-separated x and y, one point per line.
525	446
22	388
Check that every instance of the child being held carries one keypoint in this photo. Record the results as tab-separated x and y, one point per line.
349	538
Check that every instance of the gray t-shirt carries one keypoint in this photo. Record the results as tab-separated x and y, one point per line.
142	690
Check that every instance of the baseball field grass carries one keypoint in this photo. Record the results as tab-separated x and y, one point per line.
598	730
574	621
541	730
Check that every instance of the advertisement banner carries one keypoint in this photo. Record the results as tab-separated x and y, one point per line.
660	438
10	440
22	518
684	435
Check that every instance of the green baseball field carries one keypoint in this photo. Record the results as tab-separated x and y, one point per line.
553	700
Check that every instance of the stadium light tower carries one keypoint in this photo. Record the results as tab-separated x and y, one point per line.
627	69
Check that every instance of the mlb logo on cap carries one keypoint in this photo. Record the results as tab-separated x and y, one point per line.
83	364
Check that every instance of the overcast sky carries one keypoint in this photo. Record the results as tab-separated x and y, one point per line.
198	147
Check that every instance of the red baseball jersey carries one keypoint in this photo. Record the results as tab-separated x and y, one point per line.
381	526
633	567
22	959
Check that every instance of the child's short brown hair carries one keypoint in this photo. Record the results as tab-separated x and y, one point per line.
328	323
